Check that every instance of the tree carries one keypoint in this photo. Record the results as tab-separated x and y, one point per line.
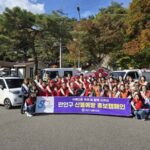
138	16
56	28
100	35
32	35
17	26
81	43
142	58
137	27
123	34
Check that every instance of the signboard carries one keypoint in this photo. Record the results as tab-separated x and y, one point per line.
45	104
84	105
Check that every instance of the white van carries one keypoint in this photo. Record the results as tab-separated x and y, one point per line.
10	91
62	72
135	73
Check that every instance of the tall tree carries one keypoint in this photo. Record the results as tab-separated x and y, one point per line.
18	27
57	28
137	27
100	35
35	36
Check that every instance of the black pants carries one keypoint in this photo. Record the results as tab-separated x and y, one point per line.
22	105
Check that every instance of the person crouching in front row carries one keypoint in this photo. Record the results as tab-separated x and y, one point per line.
137	105
30	104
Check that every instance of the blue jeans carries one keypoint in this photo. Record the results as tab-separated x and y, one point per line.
139	114
31	109
146	113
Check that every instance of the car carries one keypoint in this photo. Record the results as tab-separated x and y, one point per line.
134	73
10	91
8	72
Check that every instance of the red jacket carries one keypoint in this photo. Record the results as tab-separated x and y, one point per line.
65	92
54	93
76	85
88	92
43	92
49	93
30	101
138	104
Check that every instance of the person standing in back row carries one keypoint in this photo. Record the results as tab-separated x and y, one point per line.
25	92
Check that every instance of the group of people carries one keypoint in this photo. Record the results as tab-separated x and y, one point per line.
138	91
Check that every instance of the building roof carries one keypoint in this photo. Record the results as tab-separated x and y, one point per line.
10	77
7	64
24	64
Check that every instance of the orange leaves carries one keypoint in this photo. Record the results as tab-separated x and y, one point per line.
136	45
132	47
145	38
83	25
138	27
146	6
138	15
73	46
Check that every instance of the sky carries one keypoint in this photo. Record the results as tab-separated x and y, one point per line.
69	7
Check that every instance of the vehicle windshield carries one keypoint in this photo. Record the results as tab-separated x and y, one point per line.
14	83
117	74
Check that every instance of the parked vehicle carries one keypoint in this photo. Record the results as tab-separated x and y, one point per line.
135	73
8	72
53	72
10	91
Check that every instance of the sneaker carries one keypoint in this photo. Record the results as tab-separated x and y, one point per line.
28	114
143	119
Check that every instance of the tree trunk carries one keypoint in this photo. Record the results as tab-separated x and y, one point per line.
35	60
25	54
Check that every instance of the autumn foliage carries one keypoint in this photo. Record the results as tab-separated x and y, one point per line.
137	27
122	34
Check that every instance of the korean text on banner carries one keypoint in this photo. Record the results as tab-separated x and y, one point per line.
84	105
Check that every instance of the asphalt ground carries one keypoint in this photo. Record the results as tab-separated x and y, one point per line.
71	132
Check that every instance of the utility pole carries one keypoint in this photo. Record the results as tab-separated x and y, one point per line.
61	13
78	9
60	52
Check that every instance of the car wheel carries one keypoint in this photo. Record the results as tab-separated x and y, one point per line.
7	103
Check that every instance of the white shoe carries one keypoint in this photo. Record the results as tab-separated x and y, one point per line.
28	115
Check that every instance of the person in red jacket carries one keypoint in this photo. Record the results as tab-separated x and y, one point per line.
89	91
71	89
63	91
76	83
137	105
55	91
43	90
50	89
30	104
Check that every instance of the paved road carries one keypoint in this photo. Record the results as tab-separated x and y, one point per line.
71	132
